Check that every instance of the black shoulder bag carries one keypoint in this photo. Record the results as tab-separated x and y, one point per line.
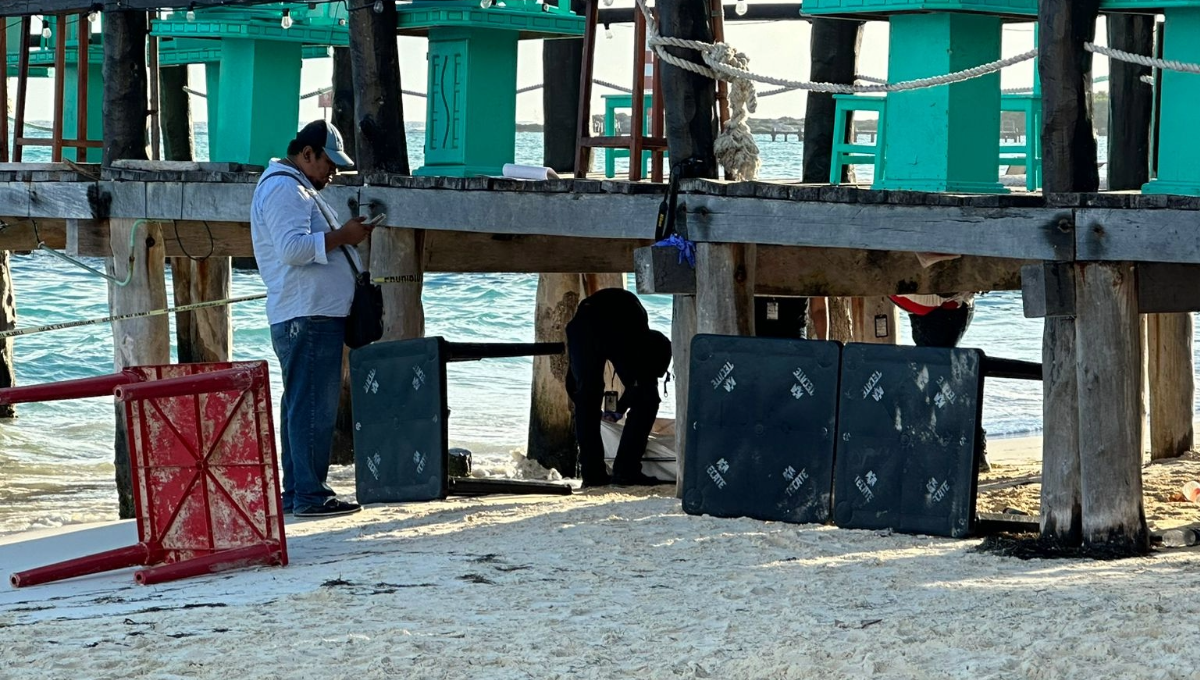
364	325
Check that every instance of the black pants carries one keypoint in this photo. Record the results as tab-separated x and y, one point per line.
587	372
941	327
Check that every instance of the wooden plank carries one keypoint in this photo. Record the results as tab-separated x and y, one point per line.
562	64
60	83
14	200
587	215
343	99
58	200
1172	383
214	202
20	235
683	329
22	85
1030	233
798	271
1068	141
1048	289
833	53
1061	506
400	253
1109	370
1133	235
551	427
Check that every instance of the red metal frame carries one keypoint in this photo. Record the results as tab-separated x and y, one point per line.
205	476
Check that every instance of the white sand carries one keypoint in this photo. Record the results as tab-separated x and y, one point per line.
605	584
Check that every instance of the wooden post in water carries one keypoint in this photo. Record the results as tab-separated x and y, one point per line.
146	340
205	335
1169	341
343	99
689	101
551	429
8	321
562	64
833	55
1171	365
1108	346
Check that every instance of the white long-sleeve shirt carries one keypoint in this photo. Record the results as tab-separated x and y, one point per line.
288	223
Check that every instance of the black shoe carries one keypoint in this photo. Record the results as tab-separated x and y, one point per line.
590	481
332	508
636	479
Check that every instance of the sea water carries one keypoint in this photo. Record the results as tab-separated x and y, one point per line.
56	458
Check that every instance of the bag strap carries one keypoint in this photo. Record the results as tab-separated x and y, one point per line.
345	250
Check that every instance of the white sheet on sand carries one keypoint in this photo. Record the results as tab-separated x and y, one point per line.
659	458
604	584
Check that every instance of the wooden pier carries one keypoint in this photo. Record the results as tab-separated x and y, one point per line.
1089	263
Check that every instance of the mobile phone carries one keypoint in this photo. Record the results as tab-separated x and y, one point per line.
376	219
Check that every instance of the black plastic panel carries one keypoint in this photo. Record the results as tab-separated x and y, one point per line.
761	419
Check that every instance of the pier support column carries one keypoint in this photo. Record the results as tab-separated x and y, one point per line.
144	341
203	335
551	428
875	320
259	83
683	329
1170	339
942	138
8	321
1108	346
1062	511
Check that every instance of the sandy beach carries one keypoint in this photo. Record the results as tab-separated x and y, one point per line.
617	583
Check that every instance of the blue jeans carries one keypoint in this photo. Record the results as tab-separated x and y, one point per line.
310	354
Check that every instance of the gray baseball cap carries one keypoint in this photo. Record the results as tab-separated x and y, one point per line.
320	134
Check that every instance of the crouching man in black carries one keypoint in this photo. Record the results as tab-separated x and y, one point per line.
611	325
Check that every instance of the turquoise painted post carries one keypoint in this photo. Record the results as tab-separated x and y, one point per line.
471	110
946	138
261	79
95	110
1178	144
212	82
472	102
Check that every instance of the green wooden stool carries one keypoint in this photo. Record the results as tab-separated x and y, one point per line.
613	103
846	149
1029	153
471	119
945	138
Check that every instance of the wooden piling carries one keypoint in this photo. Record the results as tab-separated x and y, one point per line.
8	321
1172	384
725	288
1109	372
178	140
875	320
562	64
683	329
690	99
136	341
1068	164
144	341
833	50
378	108
343	99
1062	512
551	429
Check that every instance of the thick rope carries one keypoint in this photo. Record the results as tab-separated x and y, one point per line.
735	146
1129	57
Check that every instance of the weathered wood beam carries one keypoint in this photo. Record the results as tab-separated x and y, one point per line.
1135	235
551	428
799	271
758	11
1068	165
378	109
203	335
176	114
1026	233
725	288
562	64
1050	289
1108	346
833	53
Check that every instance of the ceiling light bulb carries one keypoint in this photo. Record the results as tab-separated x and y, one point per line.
93	16
378	6
191	15
45	29
286	21
741	8
608	33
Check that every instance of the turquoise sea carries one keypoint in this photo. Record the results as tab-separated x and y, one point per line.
56	459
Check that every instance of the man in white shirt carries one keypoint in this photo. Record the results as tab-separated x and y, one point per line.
304	259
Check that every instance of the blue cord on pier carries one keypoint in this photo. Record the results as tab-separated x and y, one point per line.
687	249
